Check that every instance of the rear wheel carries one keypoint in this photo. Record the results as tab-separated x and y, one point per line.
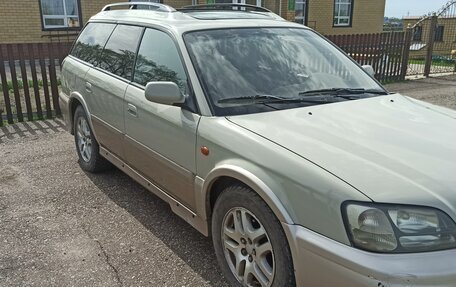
86	145
249	242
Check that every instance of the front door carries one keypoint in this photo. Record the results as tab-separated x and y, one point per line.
160	139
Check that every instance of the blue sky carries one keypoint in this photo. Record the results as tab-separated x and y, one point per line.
399	8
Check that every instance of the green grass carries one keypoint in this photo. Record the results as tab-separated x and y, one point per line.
438	63
20	84
392	81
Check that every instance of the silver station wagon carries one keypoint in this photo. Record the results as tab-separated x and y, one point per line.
266	137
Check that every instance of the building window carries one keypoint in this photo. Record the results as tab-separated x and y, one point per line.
152	1
417	33
249	2
439	31
60	14
222	2
301	12
343	13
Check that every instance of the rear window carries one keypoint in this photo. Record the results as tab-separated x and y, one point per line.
90	43
118	56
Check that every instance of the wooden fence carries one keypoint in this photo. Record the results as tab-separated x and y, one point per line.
386	52
29	78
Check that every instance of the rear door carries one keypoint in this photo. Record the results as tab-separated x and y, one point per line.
160	139
106	83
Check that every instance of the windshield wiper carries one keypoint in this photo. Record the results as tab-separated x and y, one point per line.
269	99
314	97
252	99
343	92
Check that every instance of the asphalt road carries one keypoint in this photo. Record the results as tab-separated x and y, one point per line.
62	227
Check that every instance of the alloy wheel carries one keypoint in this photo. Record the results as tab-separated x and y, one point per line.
84	139
247	248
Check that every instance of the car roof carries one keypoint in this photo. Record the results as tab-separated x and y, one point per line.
191	20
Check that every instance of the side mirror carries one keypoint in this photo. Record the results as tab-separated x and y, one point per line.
369	70
166	93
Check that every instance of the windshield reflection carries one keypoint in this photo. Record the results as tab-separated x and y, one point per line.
282	62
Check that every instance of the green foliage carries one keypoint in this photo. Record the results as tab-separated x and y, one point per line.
20	84
440	61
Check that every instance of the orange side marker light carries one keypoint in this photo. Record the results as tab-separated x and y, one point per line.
205	150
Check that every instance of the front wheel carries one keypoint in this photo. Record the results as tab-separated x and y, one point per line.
249	242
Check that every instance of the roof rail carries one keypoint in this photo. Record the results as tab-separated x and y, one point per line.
224	6
134	5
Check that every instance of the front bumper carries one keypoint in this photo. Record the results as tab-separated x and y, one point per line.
320	261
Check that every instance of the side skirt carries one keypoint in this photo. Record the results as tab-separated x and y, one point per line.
181	210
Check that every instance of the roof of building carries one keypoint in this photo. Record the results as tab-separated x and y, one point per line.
189	18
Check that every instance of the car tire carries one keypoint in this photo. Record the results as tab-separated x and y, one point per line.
239	218
87	147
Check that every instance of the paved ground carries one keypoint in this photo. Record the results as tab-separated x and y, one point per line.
63	227
438	90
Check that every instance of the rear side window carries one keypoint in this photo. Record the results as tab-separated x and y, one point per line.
118	56
90	43
158	60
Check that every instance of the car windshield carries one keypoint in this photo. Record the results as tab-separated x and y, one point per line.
251	70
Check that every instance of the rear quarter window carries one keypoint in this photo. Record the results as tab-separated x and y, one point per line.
91	41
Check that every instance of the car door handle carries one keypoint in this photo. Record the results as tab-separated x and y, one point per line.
88	87
132	110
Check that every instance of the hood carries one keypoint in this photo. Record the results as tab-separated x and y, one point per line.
390	148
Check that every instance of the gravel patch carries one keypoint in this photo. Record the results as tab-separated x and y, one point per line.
63	227
439	90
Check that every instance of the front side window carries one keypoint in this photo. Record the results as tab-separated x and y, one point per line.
343	13
60	14
158	60
238	68
118	56
91	41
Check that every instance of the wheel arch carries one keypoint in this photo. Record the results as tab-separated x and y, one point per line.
225	175
76	100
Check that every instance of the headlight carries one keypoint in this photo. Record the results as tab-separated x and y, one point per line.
398	228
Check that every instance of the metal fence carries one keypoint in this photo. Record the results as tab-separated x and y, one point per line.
29	80
433	49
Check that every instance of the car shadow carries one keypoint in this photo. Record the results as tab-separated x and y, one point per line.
153	213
